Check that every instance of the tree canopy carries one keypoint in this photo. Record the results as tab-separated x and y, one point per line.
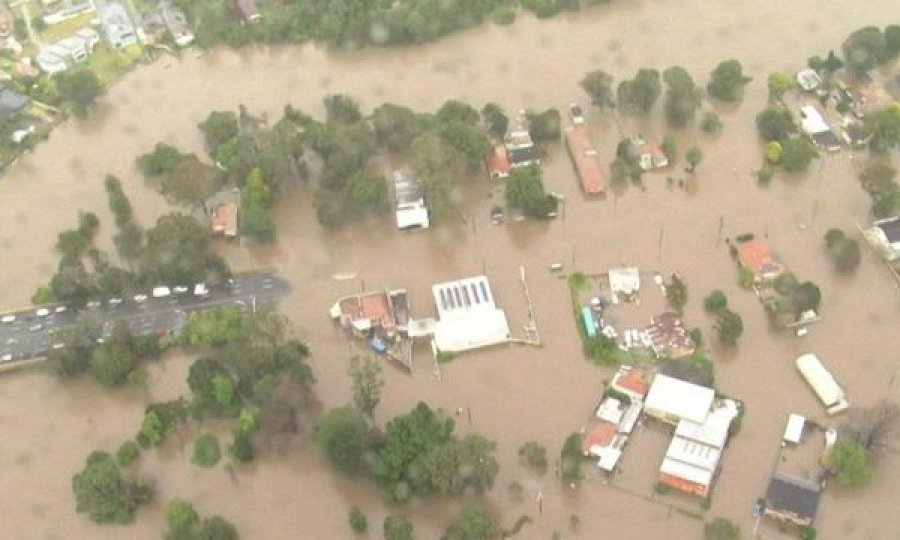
640	93
775	124
525	191
682	97
729	326
344	436
727	81
473	523
79	88
102	493
219	128
598	85
850	462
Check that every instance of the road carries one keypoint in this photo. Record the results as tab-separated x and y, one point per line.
31	334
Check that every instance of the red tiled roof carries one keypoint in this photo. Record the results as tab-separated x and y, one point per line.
634	382
224	219
584	157
757	256
601	435
498	162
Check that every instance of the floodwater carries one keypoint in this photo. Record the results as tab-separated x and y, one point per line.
515	394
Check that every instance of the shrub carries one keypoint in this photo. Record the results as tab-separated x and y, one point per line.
715	301
127	453
206	450
534	456
357	519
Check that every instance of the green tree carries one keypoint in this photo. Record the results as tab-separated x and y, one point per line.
710	123
721	529
641	93
534	456
598	86
676	293
341	109
396	127
727	81
438	167
127	453
397	528
213	388
715	301
891	41
525	191
844	251
670	148
457	111
102	493
368	192
543	126
806	296
357	519
365	374
779	85
682	97
694	156
797	153
216	327
79	88
181	520
474	523
884	125
113	361
178	251
343	434
850	462
773	152
864	49
775	124
206	450
729	326
219	128
571	458
191	181
161	160
497	122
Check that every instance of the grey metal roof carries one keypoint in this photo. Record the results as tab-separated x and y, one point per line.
891	229
793	494
11	102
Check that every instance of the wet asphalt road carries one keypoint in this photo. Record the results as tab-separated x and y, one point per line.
31	334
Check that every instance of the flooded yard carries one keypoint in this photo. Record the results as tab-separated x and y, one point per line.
516	393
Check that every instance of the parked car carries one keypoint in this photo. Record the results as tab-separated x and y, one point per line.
140	298
60	309
36	327
180	289
93	304
8	318
200	289
6	357
42	312
114	301
576	114
161	292
59	345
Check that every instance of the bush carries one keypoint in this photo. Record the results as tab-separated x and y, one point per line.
662	489
503	16
127	453
710	123
206	450
357	519
715	301
721	529
844	251
534	456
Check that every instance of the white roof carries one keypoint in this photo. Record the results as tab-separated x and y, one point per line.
688	471
412	217
808	79
714	430
794	429
608	456
479	329
820	379
811	121
625	280
460	298
630	417
673	397
610	409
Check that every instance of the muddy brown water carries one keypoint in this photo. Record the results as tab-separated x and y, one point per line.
515	394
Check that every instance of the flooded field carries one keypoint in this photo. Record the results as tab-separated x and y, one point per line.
515	394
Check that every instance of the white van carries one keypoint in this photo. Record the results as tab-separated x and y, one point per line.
200	289
161	292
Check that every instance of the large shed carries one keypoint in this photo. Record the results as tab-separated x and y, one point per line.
673	400
467	316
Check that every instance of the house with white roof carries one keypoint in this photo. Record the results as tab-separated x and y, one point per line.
673	400
692	459
468	318
119	31
884	235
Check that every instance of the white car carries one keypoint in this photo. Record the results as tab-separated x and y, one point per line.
59	345
93	304
140	298
161	292
60	309
35	327
43	312
8	318
180	289
6	357
200	289
114	301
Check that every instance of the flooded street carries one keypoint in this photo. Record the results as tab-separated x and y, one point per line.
516	394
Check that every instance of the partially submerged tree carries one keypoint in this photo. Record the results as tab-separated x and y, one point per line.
598	85
850	463
682	97
640	94
102	493
365	374
727	81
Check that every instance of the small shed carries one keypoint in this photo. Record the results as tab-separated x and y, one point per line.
625	281
793	432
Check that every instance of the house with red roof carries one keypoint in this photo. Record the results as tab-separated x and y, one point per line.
497	163
757	257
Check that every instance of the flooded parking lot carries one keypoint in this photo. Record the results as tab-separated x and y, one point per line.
516	394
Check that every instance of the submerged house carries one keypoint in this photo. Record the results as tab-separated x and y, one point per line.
884	235
119	31
177	24
468	318
668	336
366	315
520	149
813	123
792	499
649	156
224	219
585	159
692	460
756	256
497	163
